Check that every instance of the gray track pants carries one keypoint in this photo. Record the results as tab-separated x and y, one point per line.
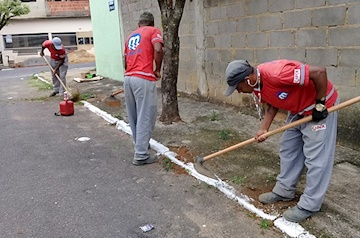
141	107
62	75
312	145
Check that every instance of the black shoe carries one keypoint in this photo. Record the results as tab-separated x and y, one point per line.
53	94
150	160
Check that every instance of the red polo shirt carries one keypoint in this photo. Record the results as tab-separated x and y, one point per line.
54	53
139	52
286	85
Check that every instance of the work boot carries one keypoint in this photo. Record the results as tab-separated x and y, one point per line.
271	197
297	214
150	160
53	94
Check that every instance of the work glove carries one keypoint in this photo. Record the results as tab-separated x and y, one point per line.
320	111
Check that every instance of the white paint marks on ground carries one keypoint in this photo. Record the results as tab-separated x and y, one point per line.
290	228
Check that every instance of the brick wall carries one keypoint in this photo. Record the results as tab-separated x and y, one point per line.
215	32
68	8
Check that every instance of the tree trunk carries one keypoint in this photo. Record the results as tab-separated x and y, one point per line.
171	14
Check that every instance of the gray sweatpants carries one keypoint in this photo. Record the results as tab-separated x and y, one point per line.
62	75
312	145
141	107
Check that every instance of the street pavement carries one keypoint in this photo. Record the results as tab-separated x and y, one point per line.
53	184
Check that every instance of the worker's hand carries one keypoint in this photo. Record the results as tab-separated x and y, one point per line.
157	75
56	71
259	137
319	115
41	54
320	111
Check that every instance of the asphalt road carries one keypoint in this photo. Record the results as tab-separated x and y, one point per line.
53	185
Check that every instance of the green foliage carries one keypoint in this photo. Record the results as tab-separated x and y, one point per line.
224	135
167	164
265	224
40	85
10	9
214	116
238	179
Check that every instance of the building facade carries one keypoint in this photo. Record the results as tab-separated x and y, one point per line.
20	41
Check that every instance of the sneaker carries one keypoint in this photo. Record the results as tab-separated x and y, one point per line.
150	160
297	214
53	94
271	197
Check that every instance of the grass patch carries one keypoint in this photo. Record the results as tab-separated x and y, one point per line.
238	179
214	116
86	96
265	224
167	164
40	85
224	135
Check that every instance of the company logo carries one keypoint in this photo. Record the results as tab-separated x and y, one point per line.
297	75
283	95
134	41
318	127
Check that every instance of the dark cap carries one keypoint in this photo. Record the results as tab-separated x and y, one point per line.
146	16
235	72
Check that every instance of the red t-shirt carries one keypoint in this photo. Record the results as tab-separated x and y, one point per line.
54	53
139	52
286	85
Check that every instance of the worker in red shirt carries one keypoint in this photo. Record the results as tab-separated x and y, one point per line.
58	61
143	47
302	90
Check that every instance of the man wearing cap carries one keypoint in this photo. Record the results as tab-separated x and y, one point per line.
58	61
302	90
143	47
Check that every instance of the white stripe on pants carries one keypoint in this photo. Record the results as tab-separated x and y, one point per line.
141	107
305	146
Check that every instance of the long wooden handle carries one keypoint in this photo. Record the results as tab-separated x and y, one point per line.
57	76
117	92
281	129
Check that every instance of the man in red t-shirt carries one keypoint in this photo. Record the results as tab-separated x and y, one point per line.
58	61
302	90
143	47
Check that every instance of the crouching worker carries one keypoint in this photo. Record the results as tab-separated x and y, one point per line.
302	90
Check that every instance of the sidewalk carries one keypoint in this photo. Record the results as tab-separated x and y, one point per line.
244	173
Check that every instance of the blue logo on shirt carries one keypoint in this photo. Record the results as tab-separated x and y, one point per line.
282	95
134	41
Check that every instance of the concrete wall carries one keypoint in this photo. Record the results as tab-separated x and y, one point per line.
215	32
107	33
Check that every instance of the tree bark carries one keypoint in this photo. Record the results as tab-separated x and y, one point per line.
171	13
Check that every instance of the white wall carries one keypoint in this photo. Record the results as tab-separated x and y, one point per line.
47	25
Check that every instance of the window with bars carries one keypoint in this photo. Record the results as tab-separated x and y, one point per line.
26	41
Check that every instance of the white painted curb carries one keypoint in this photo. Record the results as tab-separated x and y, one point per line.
290	228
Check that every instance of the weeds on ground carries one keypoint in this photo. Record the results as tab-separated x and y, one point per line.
167	164
118	116
265	224
271	178
214	116
85	96
224	135
40	85
238	179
